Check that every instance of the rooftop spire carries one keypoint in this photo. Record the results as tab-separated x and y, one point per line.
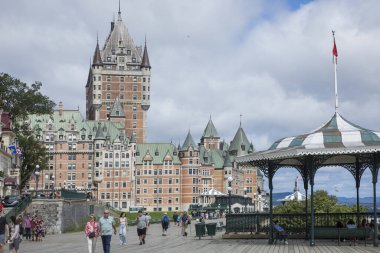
119	13
97	59
145	60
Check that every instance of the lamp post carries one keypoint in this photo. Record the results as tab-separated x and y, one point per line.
245	198
229	189
37	174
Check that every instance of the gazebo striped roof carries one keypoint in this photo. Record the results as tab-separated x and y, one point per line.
336	133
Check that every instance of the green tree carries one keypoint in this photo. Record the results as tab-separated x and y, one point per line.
323	203
21	100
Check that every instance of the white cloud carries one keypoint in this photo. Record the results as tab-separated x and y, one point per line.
270	62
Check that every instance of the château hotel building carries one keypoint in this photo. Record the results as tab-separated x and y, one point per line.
107	153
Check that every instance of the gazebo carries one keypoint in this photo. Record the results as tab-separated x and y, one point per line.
337	143
211	194
295	196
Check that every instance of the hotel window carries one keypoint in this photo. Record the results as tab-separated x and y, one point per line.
71	176
143	97
121	96
108	78
134	97
108	87
99	96
108	96
134	125
121	87
121	59
121	68
108	184
144	88
144	79
135	79
134	116
128	52
135	87
133	59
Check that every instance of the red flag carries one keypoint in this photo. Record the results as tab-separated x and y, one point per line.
335	52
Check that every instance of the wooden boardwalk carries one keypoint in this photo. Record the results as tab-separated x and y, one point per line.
174	242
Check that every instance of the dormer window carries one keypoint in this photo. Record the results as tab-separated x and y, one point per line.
156	153
243	147
133	59
117	113
128	52
108	58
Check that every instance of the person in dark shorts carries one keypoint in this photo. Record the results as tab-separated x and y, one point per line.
141	221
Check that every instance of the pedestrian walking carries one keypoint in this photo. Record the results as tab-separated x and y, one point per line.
142	222
185	221
148	218
123	228
92	232
175	218
107	223
165	224
14	235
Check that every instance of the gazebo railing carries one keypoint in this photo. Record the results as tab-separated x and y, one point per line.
259	223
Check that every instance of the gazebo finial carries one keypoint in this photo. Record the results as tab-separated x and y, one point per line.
335	61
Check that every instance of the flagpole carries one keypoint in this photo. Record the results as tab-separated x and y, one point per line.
335	60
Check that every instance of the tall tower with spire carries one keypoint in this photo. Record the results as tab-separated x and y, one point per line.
120	73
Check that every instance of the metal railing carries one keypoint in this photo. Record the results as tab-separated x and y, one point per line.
257	223
19	208
57	194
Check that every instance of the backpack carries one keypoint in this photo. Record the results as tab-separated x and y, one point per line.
165	220
184	218
21	229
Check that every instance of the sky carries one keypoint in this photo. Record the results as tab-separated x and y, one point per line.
269	61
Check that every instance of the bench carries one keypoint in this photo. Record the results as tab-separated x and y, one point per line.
341	233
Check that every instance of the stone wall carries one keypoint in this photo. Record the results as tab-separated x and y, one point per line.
62	215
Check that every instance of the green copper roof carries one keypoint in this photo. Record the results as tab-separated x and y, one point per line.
210	131
211	157
69	121
157	151
240	144
99	132
189	141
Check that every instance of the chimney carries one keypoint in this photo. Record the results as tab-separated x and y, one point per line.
60	108
112	25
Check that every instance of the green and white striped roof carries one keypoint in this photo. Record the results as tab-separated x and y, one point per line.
336	133
337	137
